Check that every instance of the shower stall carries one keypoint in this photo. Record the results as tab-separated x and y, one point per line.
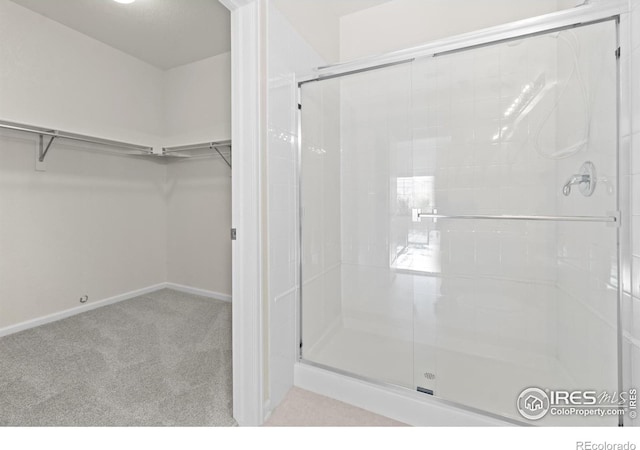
460	220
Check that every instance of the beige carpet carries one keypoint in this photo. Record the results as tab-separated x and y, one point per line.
302	408
160	359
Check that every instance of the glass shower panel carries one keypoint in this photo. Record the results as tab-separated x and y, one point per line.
356	173
456	221
508	130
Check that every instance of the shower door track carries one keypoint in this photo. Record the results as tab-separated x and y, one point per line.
580	16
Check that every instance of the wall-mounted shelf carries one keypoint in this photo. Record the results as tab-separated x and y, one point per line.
48	136
203	150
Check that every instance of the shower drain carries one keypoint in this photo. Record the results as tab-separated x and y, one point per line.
424	390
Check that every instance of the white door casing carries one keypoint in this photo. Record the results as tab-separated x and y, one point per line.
247	70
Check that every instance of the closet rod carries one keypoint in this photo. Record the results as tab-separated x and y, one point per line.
57	134
204	145
167	151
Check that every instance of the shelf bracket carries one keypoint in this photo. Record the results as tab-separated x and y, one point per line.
221	155
43	150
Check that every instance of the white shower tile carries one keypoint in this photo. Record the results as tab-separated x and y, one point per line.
635	276
282	196
603	300
279	257
635	235
486	202
487	256
627	377
512	200
489	109
632	317
635	195
635	361
462	252
513	257
312	314
626	107
635	154
635	89
281	170
635	25
626	313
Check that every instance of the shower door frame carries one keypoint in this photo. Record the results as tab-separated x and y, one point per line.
581	16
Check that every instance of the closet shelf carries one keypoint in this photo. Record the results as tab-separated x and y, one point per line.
52	135
203	150
48	136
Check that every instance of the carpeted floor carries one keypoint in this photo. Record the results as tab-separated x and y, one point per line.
159	359
302	408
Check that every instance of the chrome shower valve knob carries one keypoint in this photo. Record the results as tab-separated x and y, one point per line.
586	180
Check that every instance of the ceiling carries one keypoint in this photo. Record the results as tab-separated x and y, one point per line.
164	33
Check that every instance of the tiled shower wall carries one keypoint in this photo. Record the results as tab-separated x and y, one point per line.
439	122
320	168
431	119
376	144
495	297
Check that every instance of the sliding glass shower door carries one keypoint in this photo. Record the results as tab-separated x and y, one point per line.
357	141
459	225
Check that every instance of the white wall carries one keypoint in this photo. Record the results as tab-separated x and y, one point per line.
92	223
288	53
197	106
55	77
198	195
96	223
315	22
400	24
197	101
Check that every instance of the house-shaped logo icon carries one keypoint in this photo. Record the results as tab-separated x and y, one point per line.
533	403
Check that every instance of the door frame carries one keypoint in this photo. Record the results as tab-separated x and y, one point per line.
247	113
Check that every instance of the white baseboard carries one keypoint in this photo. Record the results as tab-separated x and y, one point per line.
11	329
407	407
198	291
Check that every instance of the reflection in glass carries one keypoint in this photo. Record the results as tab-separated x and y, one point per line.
420	251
